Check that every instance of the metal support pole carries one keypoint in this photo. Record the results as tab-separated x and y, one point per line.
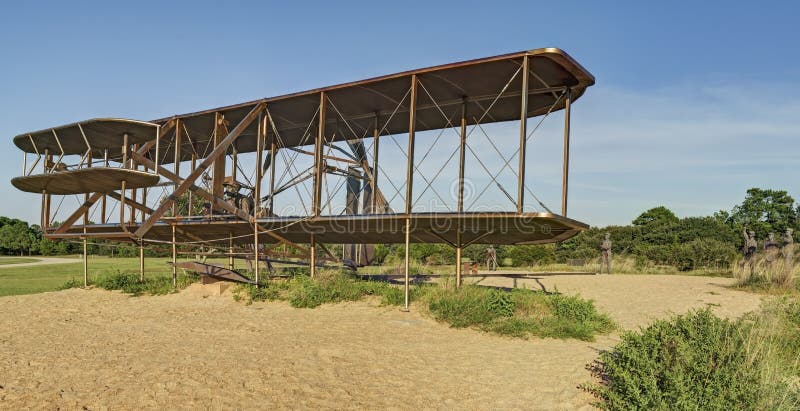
461	160
85	260
158	148
312	256
407	268
462	150
273	151
234	163
260	137
565	174
459	263
47	159
177	164
523	135
412	121
230	250
125	150
320	141
103	200
376	135
174	259
122	203
141	260
192	166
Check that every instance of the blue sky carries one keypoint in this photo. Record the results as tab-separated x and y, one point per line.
694	102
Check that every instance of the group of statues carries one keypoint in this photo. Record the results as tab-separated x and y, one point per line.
771	250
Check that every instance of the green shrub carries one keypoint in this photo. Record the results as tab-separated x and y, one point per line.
72	283
694	361
517	313
302	291
129	283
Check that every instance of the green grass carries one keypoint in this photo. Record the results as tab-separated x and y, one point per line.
331	286
516	313
52	277
700	361
16	260
130	283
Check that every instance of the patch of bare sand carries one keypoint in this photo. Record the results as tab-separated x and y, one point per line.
98	349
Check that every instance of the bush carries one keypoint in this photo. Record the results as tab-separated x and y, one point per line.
302	291
129	283
517	313
699	361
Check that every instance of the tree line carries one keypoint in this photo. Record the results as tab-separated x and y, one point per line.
656	237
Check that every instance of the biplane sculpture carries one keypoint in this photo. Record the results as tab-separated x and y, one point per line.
264	178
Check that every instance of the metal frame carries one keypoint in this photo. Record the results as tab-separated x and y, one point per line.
331	126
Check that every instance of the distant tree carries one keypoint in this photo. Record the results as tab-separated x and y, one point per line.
657	215
765	211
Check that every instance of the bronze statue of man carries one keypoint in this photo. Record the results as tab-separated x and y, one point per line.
788	251
605	253
749	249
491	258
770	249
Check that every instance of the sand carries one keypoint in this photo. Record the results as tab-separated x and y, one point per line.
97	349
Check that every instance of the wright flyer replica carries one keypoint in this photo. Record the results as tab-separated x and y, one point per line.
292	178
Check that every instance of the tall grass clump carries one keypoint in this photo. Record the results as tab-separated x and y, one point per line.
700	361
130	283
767	277
517	313
331	286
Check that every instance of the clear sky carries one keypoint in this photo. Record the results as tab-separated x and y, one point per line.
694	102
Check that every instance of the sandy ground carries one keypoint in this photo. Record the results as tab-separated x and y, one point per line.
43	261
98	349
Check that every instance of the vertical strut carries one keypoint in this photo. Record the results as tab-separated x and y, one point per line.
316	206
141	260
315	202
177	164
565	174
461	157
407	267
412	122
85	259
261	134
174	258
523	135
376	135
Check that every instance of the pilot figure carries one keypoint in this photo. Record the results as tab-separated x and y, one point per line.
605	253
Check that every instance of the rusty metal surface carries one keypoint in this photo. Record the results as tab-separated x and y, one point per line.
475	82
101	133
86	180
495	228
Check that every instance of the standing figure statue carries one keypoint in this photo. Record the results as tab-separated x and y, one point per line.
605	254
491	258
749	249
788	252
770	250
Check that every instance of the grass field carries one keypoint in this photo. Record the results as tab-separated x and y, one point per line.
37	279
16	260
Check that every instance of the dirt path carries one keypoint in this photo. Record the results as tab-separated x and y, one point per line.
100	349
43	261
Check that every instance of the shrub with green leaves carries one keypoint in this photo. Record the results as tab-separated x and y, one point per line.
517	313
700	361
130	283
